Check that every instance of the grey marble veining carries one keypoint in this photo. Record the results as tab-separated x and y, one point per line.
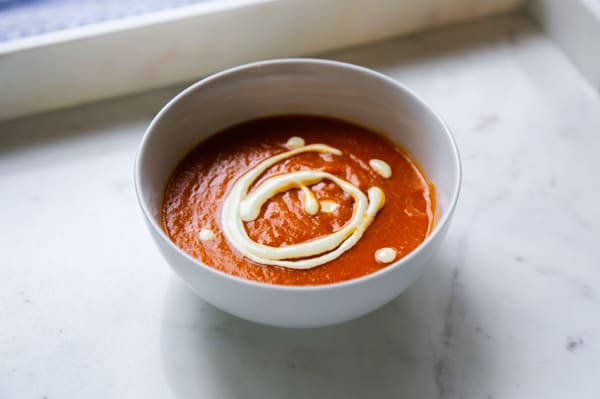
509	308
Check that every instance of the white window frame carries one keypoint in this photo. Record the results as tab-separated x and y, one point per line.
114	58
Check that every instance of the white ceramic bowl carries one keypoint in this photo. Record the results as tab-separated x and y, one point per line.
297	86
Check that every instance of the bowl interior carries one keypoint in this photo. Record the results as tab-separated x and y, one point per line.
282	87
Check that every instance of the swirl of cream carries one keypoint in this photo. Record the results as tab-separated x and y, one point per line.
239	207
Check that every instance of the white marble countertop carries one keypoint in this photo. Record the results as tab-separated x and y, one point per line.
509	309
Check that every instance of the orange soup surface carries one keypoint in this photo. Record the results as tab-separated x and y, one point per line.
301	202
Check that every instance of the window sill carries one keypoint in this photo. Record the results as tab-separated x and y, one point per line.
119	57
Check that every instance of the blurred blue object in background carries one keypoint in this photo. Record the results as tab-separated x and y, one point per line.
23	18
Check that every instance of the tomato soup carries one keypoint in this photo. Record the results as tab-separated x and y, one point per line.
298	200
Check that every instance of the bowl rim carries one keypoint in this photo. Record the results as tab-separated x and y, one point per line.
439	226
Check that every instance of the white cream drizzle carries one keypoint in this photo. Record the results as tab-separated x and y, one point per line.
329	206
239	207
385	255
381	168
206	234
295	142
